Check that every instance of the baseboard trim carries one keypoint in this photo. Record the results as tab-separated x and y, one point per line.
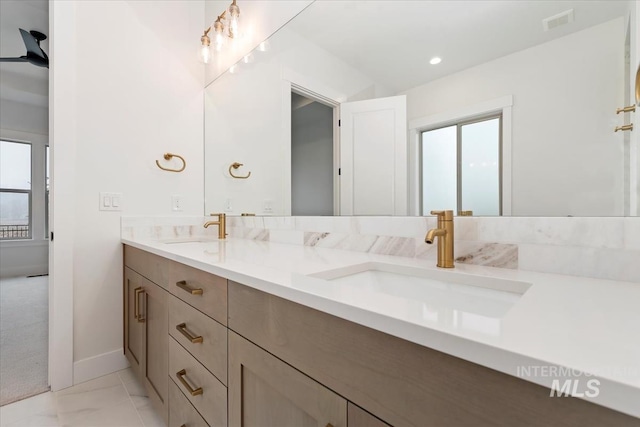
97	366
25	270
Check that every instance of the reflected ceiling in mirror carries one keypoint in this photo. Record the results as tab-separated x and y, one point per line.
553	73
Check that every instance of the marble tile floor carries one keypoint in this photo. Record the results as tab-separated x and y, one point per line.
115	400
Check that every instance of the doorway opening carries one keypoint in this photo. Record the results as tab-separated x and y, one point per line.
313	156
24	193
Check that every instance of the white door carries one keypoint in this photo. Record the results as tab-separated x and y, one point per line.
373	157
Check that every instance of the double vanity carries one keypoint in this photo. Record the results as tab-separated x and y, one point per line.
250	333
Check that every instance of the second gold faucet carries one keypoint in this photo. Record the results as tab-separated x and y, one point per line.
221	223
444	233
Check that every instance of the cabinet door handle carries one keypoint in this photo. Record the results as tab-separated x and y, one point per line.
136	308
186	385
182	327
183	285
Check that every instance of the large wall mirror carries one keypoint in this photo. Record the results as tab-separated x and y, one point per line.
399	107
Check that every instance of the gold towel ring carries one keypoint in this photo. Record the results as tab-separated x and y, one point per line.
169	156
236	165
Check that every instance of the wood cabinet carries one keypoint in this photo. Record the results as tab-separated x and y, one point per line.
286	364
205	392
358	417
133	325
200	335
402	383
146	338
181	412
264	391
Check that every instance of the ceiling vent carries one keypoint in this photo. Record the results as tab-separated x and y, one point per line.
558	20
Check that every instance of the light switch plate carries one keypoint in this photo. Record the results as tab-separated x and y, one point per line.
110	201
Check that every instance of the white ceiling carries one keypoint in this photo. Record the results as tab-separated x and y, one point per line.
21	81
393	41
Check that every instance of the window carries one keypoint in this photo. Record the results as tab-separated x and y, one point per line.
15	190
461	166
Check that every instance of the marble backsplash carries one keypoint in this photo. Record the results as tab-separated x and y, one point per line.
607	248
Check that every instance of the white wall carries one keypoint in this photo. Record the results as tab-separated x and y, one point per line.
312	160
127	87
566	159
248	121
24	117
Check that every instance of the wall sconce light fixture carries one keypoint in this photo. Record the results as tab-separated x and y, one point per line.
220	32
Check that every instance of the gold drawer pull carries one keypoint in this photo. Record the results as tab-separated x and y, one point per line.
329	425
182	327
186	385
183	285
136	308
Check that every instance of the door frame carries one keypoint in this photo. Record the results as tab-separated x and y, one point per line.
62	143
307	87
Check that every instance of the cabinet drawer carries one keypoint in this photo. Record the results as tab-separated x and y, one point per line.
181	412
153	267
211	347
204	291
211	403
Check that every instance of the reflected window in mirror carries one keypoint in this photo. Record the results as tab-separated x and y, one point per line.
461	167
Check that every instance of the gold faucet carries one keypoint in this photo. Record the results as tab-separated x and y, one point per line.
444	233
221	223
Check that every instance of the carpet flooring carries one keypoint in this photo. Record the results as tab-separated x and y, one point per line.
24	337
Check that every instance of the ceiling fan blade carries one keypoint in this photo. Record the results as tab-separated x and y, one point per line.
37	60
33	48
21	59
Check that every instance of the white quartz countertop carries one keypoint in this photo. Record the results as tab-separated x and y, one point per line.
562	327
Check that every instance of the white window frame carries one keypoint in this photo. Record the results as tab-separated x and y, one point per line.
501	105
459	125
37	208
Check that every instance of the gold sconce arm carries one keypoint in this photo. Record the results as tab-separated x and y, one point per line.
624	128
169	156
629	109
236	165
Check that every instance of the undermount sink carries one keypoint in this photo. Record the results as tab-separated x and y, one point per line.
200	239
428	293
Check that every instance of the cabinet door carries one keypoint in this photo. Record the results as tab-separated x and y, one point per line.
264	391
156	366
358	417
133	320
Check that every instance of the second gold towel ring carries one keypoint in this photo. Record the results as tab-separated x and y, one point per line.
236	165
169	156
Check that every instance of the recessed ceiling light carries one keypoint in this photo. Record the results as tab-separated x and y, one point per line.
435	60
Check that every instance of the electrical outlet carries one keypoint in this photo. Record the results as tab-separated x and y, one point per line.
228	205
110	201
177	203
267	206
